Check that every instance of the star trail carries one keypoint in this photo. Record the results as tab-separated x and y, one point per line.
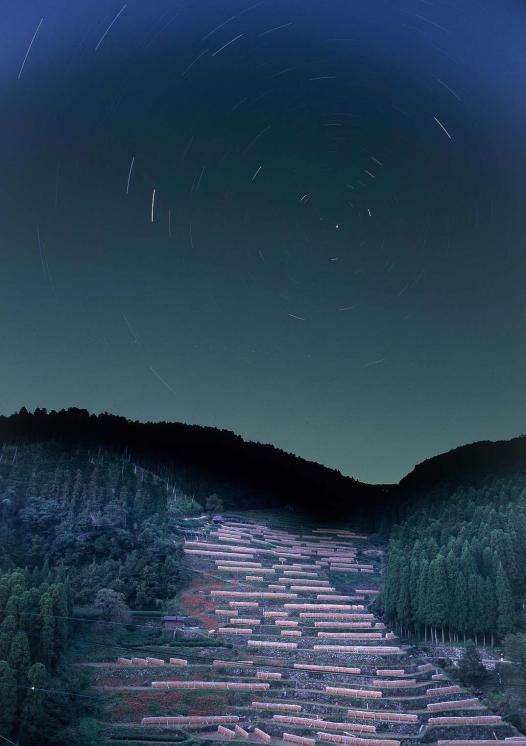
300	221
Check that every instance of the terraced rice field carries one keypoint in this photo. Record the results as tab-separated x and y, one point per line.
308	661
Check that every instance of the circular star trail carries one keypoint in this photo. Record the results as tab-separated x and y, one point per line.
301	221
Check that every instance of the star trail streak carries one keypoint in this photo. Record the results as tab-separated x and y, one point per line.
104	35
29	48
311	212
129	175
442	127
218	51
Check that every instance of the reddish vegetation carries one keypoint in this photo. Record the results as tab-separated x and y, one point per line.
136	704
113	681
195	600
209	705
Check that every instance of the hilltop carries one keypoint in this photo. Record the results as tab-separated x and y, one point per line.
466	462
204	460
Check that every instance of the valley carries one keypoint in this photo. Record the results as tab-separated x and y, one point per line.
278	643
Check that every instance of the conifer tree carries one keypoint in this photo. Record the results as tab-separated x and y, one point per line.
473	603
69	595
482	610
490	601
19	656
4	593
7	632
47	629
459	610
44	572
392	582
438	594
505	607
8	698
60	612
32	707
13	603
403	602
422	612
25	620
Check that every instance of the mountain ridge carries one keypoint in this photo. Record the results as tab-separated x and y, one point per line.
79	425
471	459
259	474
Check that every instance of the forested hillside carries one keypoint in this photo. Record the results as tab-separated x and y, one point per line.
91	504
38	695
76	523
104	520
459	519
204	460
456	560
467	462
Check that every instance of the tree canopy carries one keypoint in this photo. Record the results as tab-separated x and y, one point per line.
455	560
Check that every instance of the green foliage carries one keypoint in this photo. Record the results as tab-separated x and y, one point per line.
470	669
213	504
19	656
511	675
92	528
515	650
103	520
454	562
112	606
506	615
38	694
47	636
8	698
199	461
7	632
33	703
86	732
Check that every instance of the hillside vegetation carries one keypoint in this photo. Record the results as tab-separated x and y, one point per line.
76	522
39	694
205	460
98	504
456	560
106	521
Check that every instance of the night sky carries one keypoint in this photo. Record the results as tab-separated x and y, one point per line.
301	220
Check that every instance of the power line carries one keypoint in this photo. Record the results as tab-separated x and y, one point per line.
8	740
81	619
55	691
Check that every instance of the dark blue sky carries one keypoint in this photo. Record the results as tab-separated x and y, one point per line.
336	261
